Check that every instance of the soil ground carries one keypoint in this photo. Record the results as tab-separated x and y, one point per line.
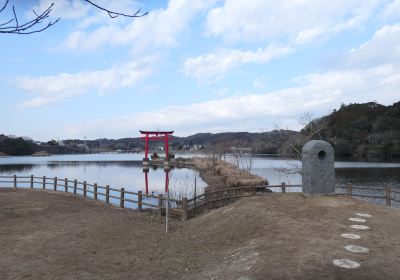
50	235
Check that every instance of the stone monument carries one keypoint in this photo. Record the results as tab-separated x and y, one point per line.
318	168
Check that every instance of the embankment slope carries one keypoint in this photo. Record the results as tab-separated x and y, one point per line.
46	235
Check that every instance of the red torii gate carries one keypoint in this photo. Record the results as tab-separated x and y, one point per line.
157	135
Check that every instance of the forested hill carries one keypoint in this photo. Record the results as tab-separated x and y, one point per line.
368	130
362	131
263	142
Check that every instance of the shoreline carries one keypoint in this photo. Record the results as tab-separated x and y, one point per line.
203	154
221	174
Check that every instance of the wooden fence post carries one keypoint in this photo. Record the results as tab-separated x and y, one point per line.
108	194
283	186
84	188
140	200
184	209
349	190
388	197
75	186
95	191
254	190
15	181
121	202
55	183
66	185
44	183
31	181
160	200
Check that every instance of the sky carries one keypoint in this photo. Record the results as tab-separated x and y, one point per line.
194	65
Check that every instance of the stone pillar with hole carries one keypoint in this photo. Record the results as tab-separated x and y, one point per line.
318	168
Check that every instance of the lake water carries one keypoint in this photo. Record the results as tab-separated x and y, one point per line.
125	170
116	170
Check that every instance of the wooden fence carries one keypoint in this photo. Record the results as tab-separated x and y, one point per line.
112	196
181	208
388	196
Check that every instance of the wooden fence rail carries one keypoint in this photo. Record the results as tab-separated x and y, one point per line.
106	194
182	208
389	195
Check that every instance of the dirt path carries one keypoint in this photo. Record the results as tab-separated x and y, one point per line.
47	235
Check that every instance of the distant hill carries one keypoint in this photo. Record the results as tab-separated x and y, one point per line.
368	130
361	131
265	142
262	142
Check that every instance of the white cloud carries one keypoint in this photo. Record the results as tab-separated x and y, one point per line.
158	29
315	93
266	20
216	64
383	47
279	23
392	11
51	89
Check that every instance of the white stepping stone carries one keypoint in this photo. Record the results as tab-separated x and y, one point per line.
346	263
364	215
358	220
350	236
356	249
360	227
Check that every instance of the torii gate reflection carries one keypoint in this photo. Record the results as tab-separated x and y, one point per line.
156	135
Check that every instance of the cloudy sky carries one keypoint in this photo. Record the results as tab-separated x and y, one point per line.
195	65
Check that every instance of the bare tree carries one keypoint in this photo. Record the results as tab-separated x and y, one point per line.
294	144
247	161
244	158
216	152
14	26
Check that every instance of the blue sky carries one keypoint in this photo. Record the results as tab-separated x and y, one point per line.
195	66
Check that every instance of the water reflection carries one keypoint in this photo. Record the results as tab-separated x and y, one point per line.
125	170
13	169
372	177
117	174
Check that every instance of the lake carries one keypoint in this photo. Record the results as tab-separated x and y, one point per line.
125	170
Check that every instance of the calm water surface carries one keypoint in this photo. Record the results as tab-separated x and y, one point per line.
116	170
125	170
357	173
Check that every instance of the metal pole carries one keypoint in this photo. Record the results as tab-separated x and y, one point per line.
195	194
167	213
